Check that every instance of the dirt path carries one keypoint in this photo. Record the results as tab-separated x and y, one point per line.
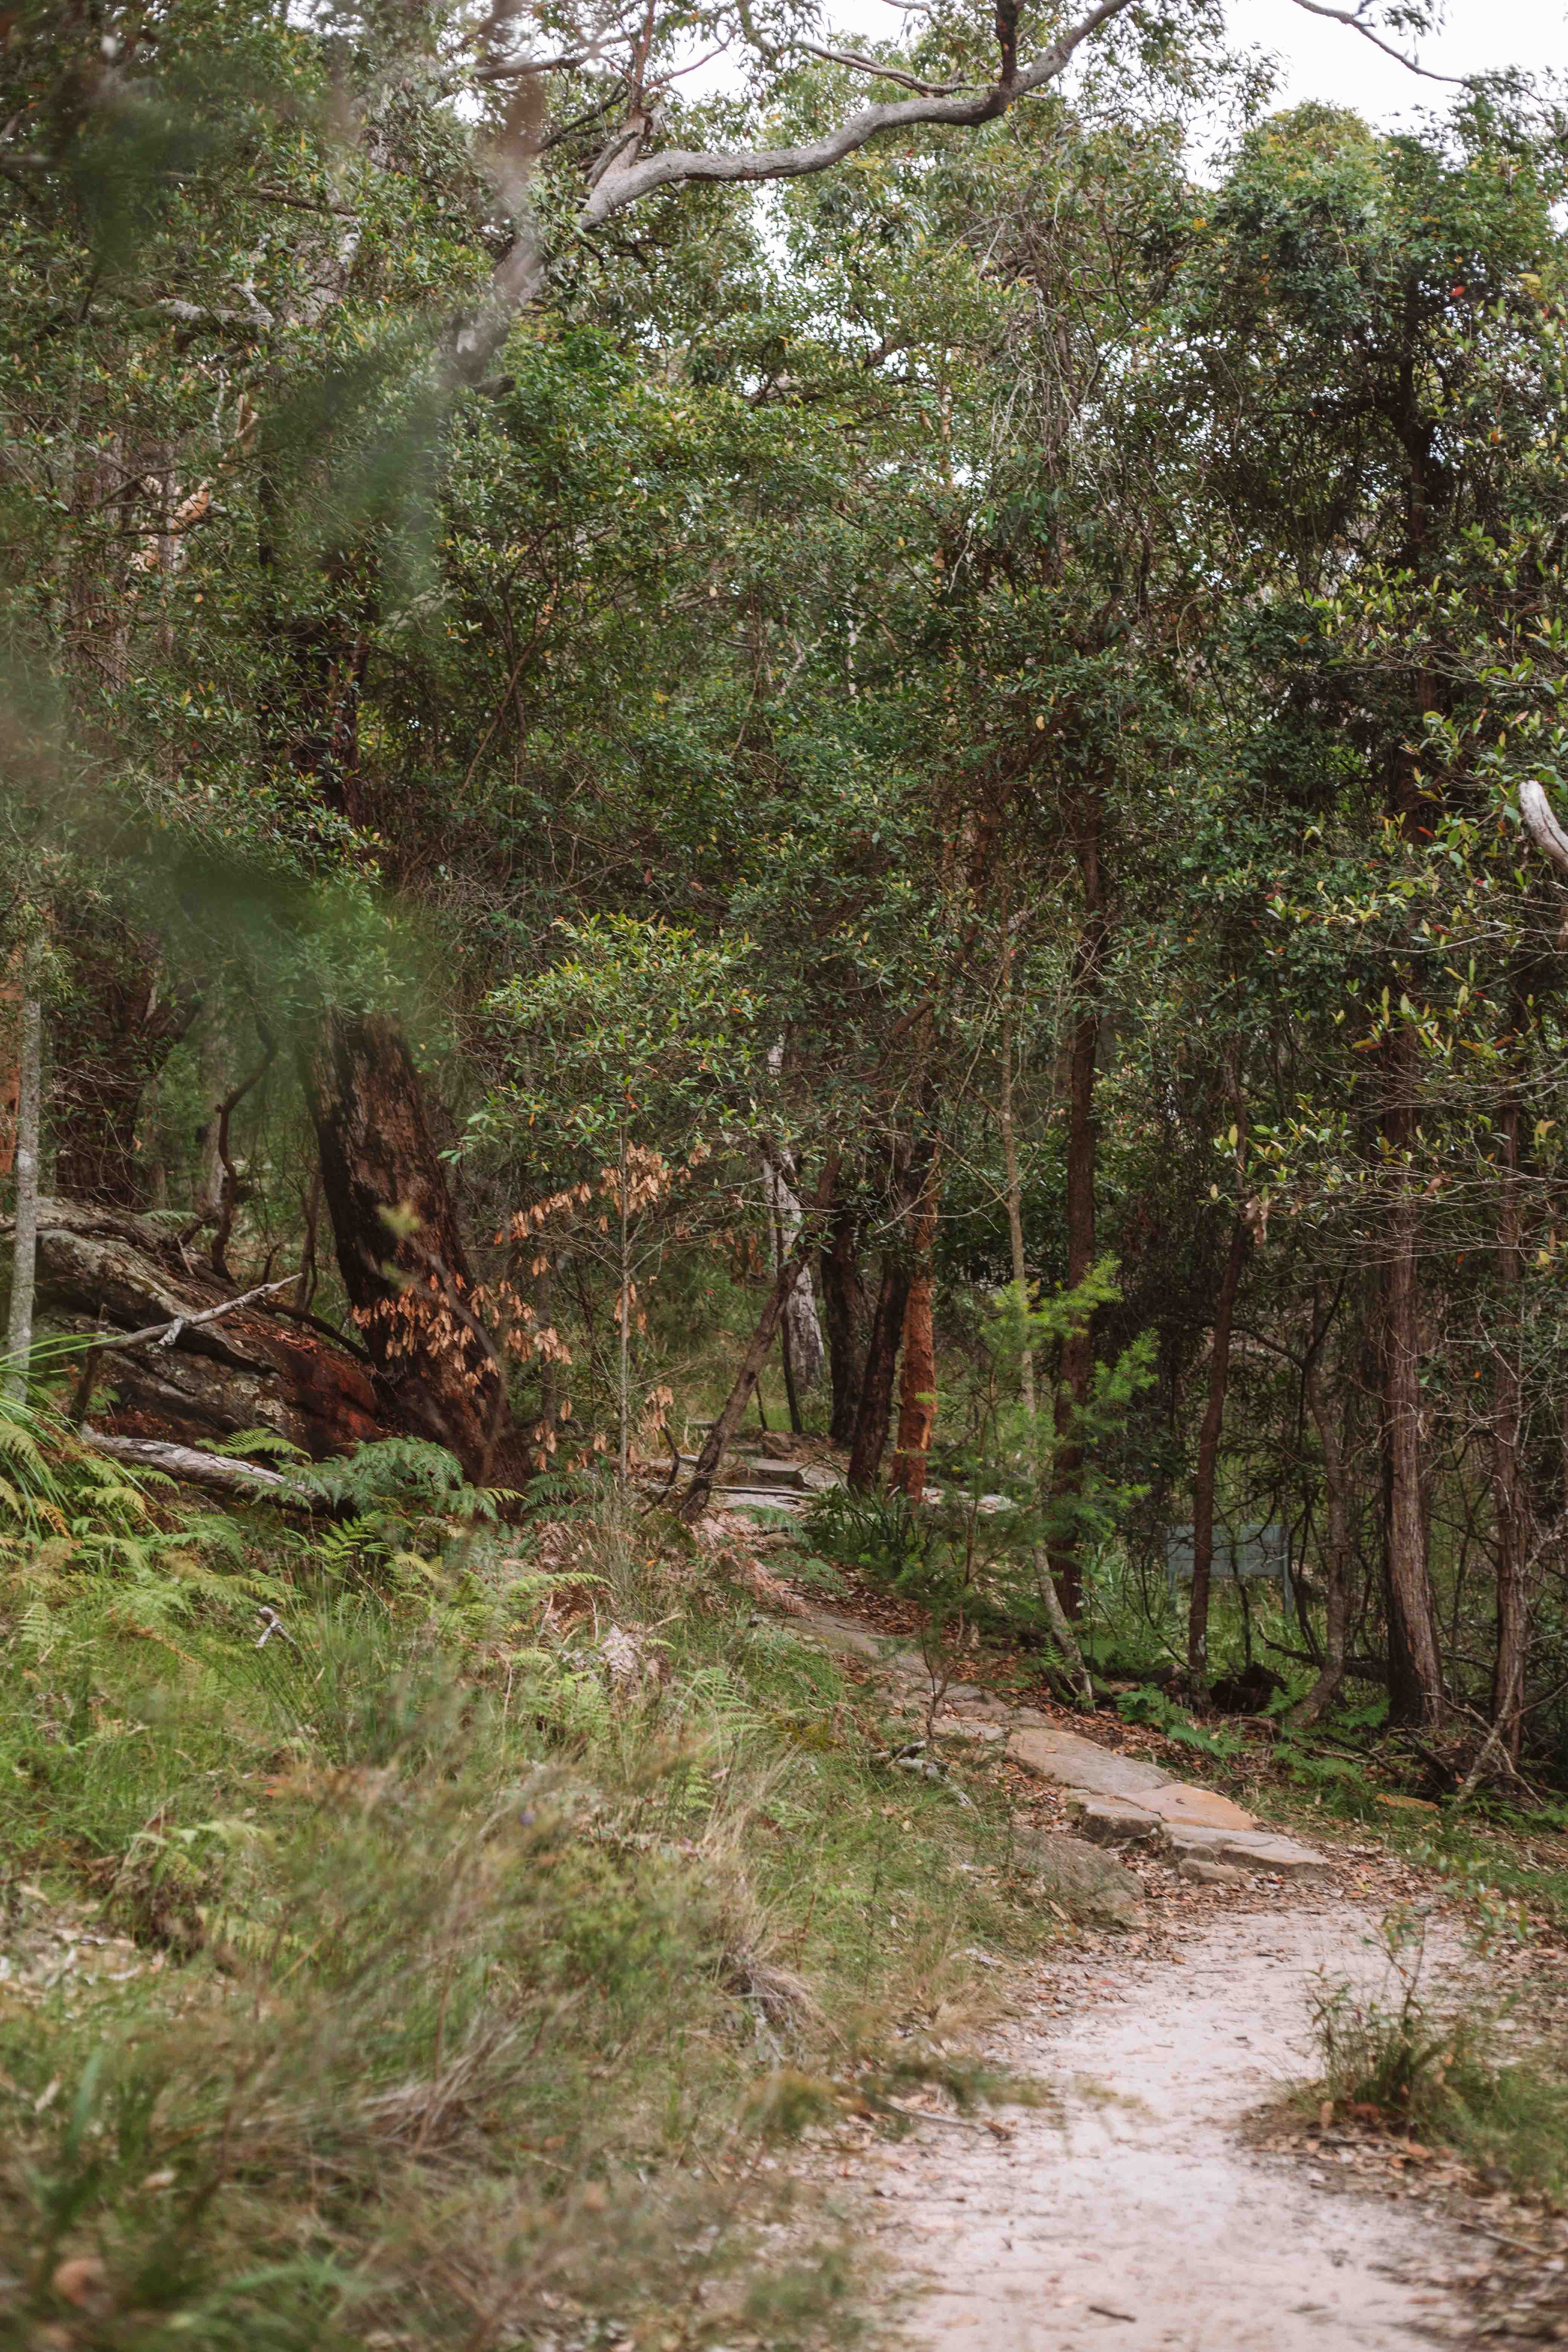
1134	2215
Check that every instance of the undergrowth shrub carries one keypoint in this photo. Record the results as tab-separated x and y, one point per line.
1428	2061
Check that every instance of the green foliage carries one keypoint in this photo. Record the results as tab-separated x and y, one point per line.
1152	1705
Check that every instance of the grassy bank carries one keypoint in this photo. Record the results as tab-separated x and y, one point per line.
457	1966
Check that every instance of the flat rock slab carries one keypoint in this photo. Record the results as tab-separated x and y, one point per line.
1075	1763
1180	1804
1121	1802
1249	1849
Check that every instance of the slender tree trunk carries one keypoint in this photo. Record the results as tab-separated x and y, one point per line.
802	1345
917	1391
843	1305
1015	1191
1056	1615
694	1501
1077	1369
1208	1455
1509	1506
1336	1558
25	1249
1414	1664
876	1400
396	1235
623	1302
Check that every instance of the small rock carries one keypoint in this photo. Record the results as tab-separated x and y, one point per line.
1107	1820
1210	1874
1082	1879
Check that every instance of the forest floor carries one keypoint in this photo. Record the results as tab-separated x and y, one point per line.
1163	2182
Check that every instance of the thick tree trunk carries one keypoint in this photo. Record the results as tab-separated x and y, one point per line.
1208	1457
843	1307
1077	1369
875	1399
1509	1506
1415	1664
398	1246
24	1157
1336	1556
114	1029
917	1387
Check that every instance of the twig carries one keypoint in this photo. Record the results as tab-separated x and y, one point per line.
165	1334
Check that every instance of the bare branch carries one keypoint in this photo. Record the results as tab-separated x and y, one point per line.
883	72
1354	18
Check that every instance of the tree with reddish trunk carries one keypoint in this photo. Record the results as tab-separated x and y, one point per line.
398	1244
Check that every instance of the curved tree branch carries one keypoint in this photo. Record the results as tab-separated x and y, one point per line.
1542	826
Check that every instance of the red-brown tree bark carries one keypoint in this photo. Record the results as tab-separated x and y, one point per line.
397	1239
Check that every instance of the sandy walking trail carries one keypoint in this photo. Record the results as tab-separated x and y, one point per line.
1135	2216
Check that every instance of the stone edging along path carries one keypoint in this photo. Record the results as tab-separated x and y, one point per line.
1117	1800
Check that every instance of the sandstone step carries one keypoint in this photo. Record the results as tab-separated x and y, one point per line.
1076	1763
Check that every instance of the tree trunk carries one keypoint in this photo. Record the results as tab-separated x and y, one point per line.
1509	1505
1336	1561
804	1349
1208	1457
1015	1194
1415	1666
694	1502
398	1248
1077	1369
113	1030
25	1235
875	1399
844	1306
917	1391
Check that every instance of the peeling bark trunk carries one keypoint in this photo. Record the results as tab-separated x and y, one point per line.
1208	1457
1077	1369
397	1240
803	1332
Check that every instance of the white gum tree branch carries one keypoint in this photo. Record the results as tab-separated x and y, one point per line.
624	177
1542	826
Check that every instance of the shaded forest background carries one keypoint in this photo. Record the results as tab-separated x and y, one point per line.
906	785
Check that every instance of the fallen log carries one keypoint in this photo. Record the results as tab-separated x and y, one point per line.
249	1482
104	1274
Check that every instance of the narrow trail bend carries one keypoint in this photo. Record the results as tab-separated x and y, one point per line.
1133	2213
